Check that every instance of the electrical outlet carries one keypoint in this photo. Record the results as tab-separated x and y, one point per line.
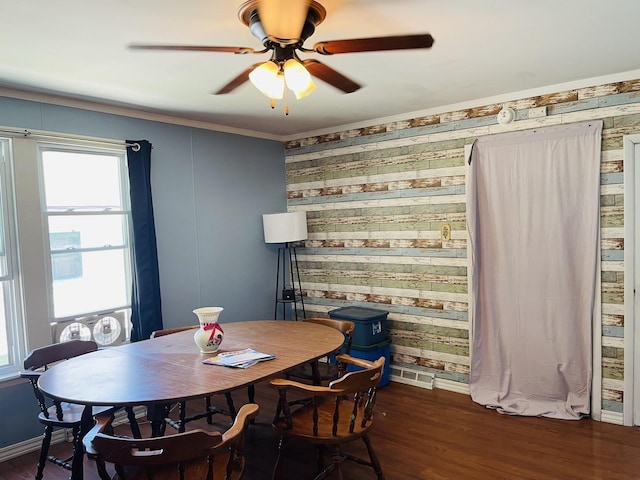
445	232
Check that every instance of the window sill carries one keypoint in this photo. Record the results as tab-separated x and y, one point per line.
10	380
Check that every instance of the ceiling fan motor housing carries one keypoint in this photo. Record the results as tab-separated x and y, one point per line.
248	14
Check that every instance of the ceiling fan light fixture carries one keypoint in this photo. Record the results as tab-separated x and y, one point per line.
268	79
298	78
283	19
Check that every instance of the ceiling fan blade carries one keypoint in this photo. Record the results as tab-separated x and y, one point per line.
194	48
237	81
283	20
331	76
376	44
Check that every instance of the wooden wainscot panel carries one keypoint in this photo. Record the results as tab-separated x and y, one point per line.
423	121
629	86
613	320
553	98
487	110
614	395
426	303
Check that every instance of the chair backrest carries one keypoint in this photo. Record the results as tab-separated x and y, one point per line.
194	455
347	403
347	328
362	385
169	331
360	380
42	358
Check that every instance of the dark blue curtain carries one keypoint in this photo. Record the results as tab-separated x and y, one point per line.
146	313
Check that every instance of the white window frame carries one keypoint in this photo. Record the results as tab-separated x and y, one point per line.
15	332
34	287
126	212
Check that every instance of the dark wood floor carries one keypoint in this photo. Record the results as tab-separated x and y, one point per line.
434	434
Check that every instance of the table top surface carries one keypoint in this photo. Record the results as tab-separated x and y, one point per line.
169	368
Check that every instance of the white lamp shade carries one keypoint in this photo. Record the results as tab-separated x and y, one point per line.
268	80
298	78
285	227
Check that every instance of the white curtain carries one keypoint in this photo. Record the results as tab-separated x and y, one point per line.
533	211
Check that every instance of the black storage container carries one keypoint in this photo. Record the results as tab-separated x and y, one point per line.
371	324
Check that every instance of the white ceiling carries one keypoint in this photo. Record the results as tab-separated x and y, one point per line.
483	49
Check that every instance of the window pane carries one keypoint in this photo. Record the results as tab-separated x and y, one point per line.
89	282
4	268
86	231
11	343
75	180
3	199
4	339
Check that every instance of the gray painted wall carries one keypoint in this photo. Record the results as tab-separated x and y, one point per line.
209	192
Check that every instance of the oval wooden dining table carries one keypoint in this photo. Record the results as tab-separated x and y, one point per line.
170	369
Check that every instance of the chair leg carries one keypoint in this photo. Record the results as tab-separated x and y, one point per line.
44	451
231	406
77	467
277	469
120	471
375	463
102	468
336	459
320	458
209	410
182	409
315	373
133	423
251	393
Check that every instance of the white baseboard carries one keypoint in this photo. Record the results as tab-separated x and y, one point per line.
28	446
611	417
59	436
439	383
452	386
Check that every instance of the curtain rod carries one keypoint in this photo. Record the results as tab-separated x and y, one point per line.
35	133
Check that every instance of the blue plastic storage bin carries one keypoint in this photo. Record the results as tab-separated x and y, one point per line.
371	353
371	324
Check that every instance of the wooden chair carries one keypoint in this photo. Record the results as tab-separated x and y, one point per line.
54	414
339	413
209	409
194	455
322	372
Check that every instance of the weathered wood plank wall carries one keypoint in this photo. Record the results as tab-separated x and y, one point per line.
376	197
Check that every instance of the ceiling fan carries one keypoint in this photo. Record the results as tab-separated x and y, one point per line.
283	26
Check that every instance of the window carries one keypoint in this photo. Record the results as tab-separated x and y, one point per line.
74	259
11	330
87	221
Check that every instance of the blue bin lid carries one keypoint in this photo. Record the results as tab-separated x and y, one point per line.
358	313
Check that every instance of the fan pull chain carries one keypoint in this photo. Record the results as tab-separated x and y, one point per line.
286	105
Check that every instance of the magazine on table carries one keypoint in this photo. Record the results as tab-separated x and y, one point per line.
239	358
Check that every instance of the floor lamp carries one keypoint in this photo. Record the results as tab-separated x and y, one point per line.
286	228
